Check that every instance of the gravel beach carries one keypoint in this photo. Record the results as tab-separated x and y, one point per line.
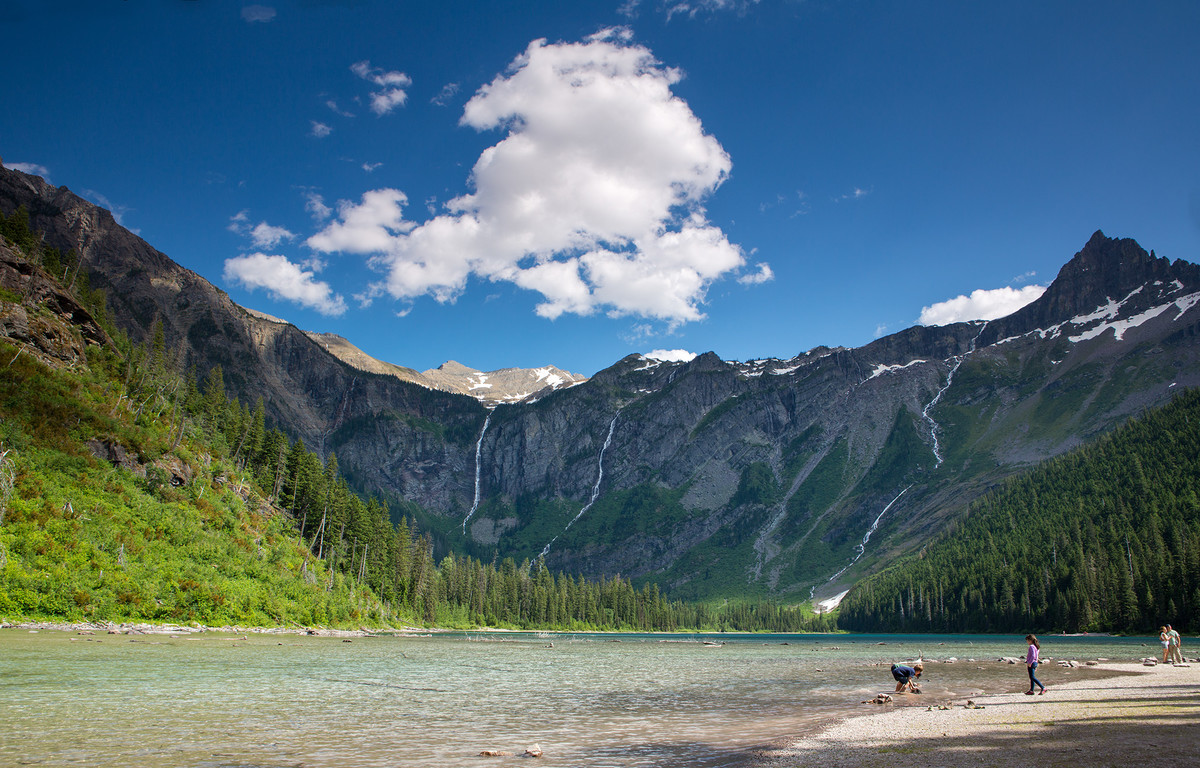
1151	715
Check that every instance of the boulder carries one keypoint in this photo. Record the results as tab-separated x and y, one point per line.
179	472
115	454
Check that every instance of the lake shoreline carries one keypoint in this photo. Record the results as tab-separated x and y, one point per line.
146	628
1139	714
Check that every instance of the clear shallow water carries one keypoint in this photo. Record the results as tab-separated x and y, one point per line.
589	701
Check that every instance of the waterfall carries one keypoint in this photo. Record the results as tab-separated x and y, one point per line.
862	547
595	488
478	470
933	427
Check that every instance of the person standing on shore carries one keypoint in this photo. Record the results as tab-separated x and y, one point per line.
1173	643
1031	661
1165	640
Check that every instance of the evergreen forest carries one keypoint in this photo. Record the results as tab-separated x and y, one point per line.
1105	538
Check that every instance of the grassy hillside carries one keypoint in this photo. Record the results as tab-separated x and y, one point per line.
83	538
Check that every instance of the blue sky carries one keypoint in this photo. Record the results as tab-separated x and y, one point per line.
530	183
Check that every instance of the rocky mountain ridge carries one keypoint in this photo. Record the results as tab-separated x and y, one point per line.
491	388
788	477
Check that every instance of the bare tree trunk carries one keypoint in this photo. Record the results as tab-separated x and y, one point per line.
321	533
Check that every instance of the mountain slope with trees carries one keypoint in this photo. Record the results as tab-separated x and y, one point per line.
129	491
1105	538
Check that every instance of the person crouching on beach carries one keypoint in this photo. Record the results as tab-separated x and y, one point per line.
1031	661
906	677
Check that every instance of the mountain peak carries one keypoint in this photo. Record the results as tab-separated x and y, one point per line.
1105	270
453	368
1097	240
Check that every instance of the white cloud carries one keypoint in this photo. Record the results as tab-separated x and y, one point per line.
283	280
593	198
445	95
691	8
266	236
263	235
315	205
370	167
629	8
371	227
764	275
239	222
980	305
858	194
320	130
33	169
259	13
333	107
391	93
671	355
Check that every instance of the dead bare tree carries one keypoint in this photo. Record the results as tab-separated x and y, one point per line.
8	476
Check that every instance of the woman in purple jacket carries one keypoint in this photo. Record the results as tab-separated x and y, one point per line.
1031	661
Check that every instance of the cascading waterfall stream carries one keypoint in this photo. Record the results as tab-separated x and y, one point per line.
595	489
478	470
933	427
862	547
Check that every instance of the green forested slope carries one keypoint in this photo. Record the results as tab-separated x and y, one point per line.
128	491
1106	538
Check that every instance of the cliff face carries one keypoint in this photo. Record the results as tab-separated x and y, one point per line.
306	390
36	312
786	477
797	476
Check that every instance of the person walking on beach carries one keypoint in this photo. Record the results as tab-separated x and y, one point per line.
906	677
1173	643
1031	661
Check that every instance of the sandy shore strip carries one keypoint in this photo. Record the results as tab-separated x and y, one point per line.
1152	715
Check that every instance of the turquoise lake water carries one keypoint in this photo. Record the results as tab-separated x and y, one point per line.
589	701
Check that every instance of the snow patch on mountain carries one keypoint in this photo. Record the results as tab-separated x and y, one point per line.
882	368
1108	317
1120	326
